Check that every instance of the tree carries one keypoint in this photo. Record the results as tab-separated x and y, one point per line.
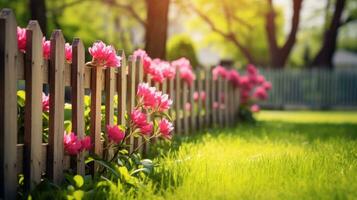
243	20
155	23
156	28
38	12
324	56
279	55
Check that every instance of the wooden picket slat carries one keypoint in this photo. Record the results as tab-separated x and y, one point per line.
184	110
220	94
214	101
226	102
208	102
178	103
8	105
56	117
95	112
193	115
121	88
199	102
139	79
131	92
33	106
109	82
77	82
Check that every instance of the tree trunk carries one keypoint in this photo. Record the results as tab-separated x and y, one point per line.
38	12
279	55
156	28
324	57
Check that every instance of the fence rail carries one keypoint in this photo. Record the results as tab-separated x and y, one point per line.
34	158
311	88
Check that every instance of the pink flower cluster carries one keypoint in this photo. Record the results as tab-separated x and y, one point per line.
220	71
184	67
152	99
104	55
252	85
140	121
73	145
165	128
158	69
115	133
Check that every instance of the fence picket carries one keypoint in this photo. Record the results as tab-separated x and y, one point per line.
95	112
131	92
8	105
139	79
178	103
199	102
208	103
122	89
192	110
56	118
77	82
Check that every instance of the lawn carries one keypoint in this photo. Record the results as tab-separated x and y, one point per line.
286	155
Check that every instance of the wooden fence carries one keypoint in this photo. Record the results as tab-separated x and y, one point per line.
35	159
311	88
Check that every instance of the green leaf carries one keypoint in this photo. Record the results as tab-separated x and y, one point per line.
105	164
78	179
21	95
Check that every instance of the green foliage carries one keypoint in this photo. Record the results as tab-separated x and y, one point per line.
182	46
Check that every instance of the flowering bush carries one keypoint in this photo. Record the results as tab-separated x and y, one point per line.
252	87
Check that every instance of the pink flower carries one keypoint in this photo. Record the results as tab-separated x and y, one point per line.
46	46
165	128
234	78
115	134
153	99
203	95
267	85
188	106
146	59
146	129
147	95
45	102
252	70
184	67
86	143
244	83
68	52
21	39
260	93
139	118
220	71
215	105
104	55
260	79
255	108
195	96
163	102
168	70
71	143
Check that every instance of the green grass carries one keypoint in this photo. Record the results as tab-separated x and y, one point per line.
286	155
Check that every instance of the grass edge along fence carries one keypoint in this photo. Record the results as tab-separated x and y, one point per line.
34	158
